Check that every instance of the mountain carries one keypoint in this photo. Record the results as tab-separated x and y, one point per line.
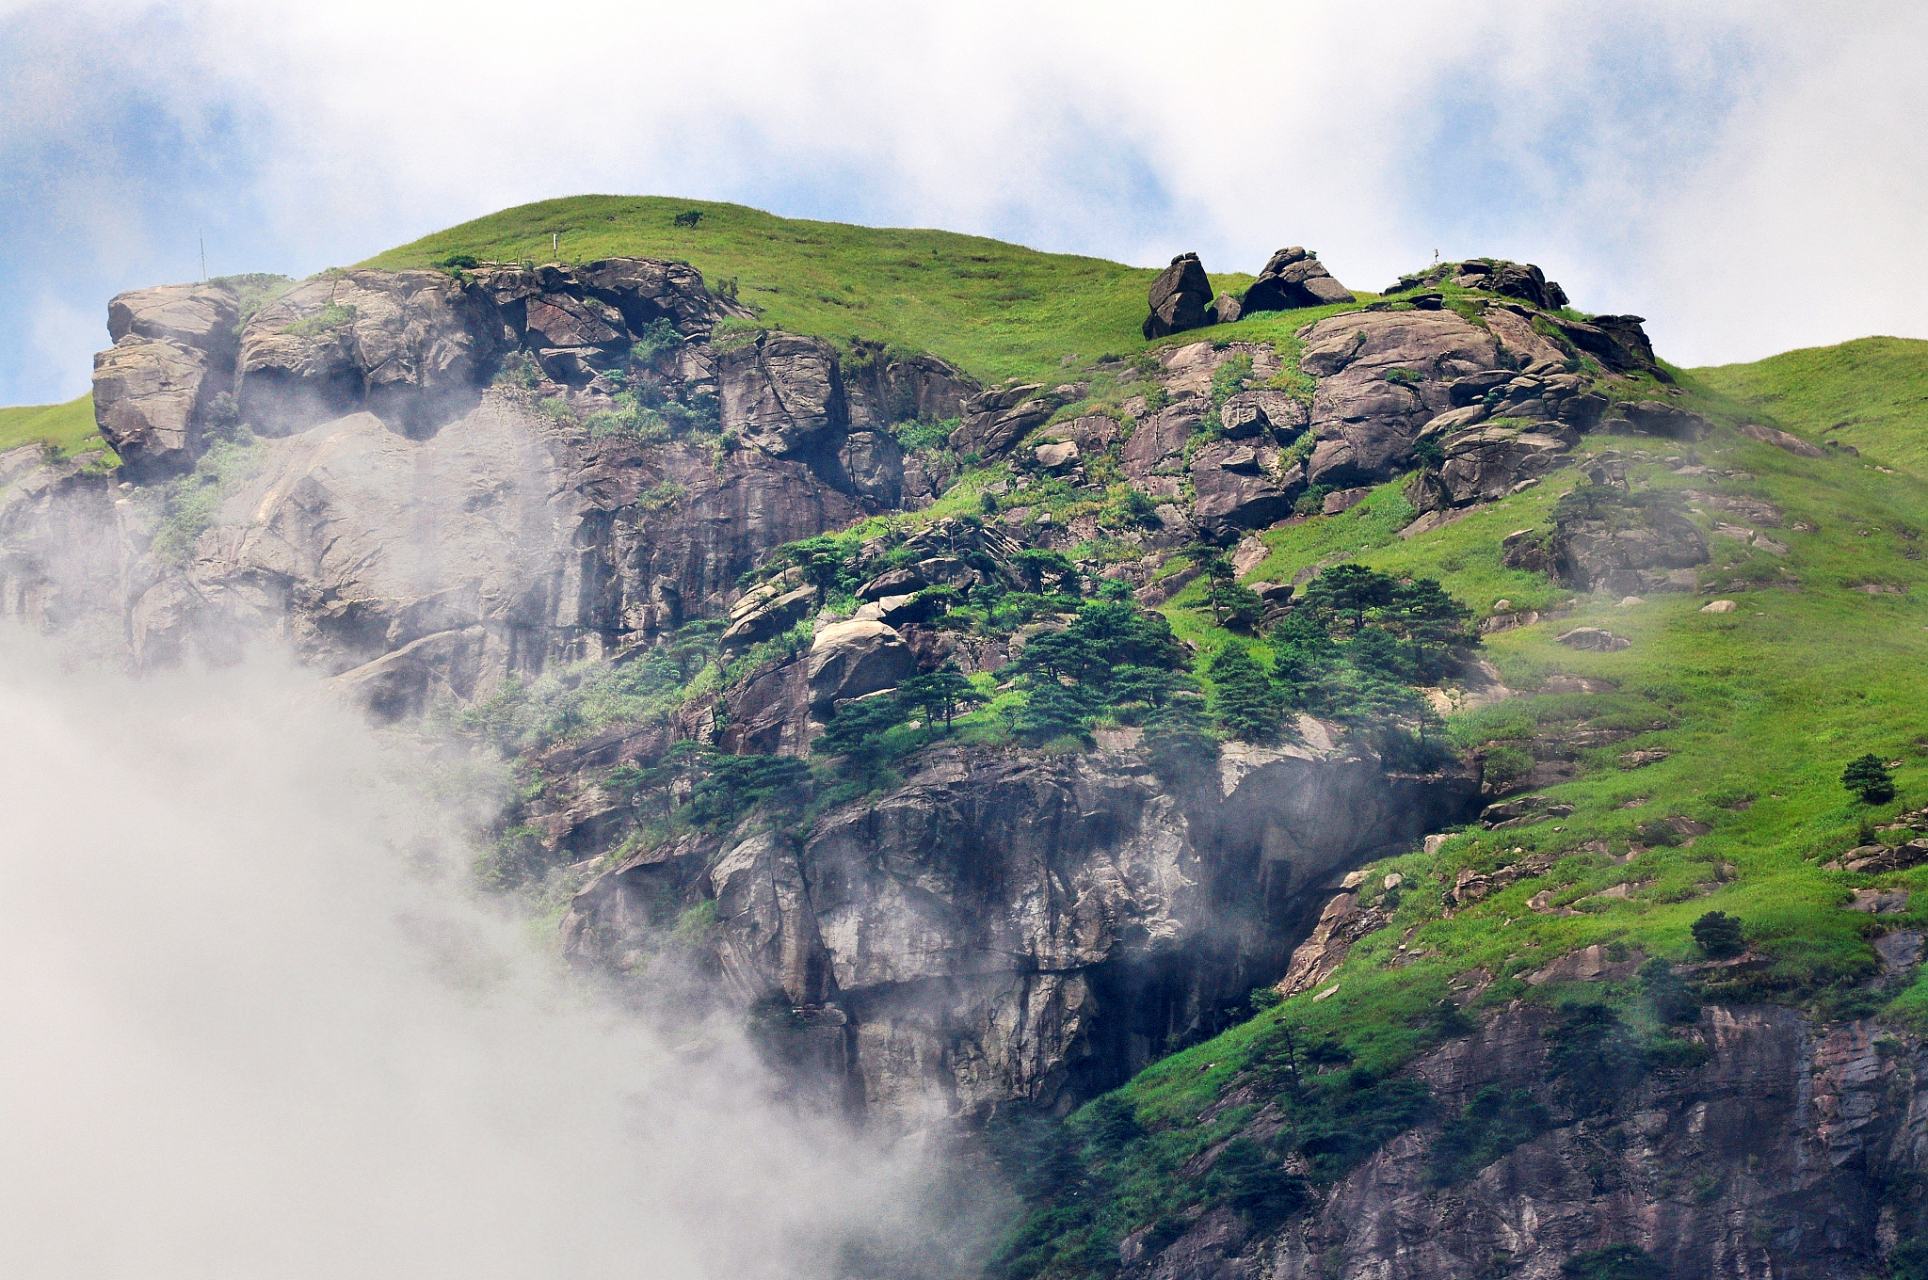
1269	781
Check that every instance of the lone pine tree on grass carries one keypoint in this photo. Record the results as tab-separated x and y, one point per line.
1870	779
1719	935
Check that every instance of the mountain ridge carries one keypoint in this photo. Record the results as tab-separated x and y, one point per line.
714	562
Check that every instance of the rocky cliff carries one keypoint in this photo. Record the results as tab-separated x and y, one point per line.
1790	1149
1007	927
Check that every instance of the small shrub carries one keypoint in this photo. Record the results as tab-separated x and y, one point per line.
688	218
330	318
1657	833
1672	1001
1507	764
1254	1182
1615	1262
1486	1129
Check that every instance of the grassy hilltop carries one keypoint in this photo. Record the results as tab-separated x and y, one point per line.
995	310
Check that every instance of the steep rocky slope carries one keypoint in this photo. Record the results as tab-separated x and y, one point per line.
1056	755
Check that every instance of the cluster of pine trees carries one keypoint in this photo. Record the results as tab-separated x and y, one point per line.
1351	649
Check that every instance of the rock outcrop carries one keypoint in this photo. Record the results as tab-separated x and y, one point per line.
1626	544
412	347
1293	278
1382	377
1779	1156
173	353
1180	298
1008	926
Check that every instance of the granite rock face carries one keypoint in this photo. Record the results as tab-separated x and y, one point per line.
1775	1157
410	346
1007	926
173	353
1382	377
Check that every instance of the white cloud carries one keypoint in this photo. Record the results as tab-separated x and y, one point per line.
252	1031
1645	155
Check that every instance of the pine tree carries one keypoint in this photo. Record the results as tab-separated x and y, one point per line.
939	694
1248	704
1719	935
1053	709
1870	778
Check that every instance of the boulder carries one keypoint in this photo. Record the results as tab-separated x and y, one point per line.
410	347
1520	280
1238	486
996	419
782	393
854	658
1250	413
768	613
1781	440
149	395
1625	545
1719	606
1094	433
1180	298
203	317
896	582
1342	500
1057	457
1293	278
1617	342
1593	639
1486	463
1655	417
1227	309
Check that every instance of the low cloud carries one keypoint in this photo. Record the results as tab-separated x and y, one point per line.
256	1029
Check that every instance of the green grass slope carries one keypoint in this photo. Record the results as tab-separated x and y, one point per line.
995	310
68	427
1871	393
1761	708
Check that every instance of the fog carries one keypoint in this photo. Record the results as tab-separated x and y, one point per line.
256	1026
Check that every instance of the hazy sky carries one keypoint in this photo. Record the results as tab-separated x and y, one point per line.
1750	177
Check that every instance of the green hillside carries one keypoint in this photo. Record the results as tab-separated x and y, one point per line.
995	310
69	427
1871	393
1760	709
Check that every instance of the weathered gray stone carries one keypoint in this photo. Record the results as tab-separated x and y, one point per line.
782	393
149	395
1180	298
851	659
1382	377
1239	486
408	346
1293	278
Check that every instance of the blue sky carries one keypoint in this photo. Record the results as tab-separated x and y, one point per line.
1745	176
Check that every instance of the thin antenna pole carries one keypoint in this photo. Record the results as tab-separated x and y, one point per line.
555	244
204	257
